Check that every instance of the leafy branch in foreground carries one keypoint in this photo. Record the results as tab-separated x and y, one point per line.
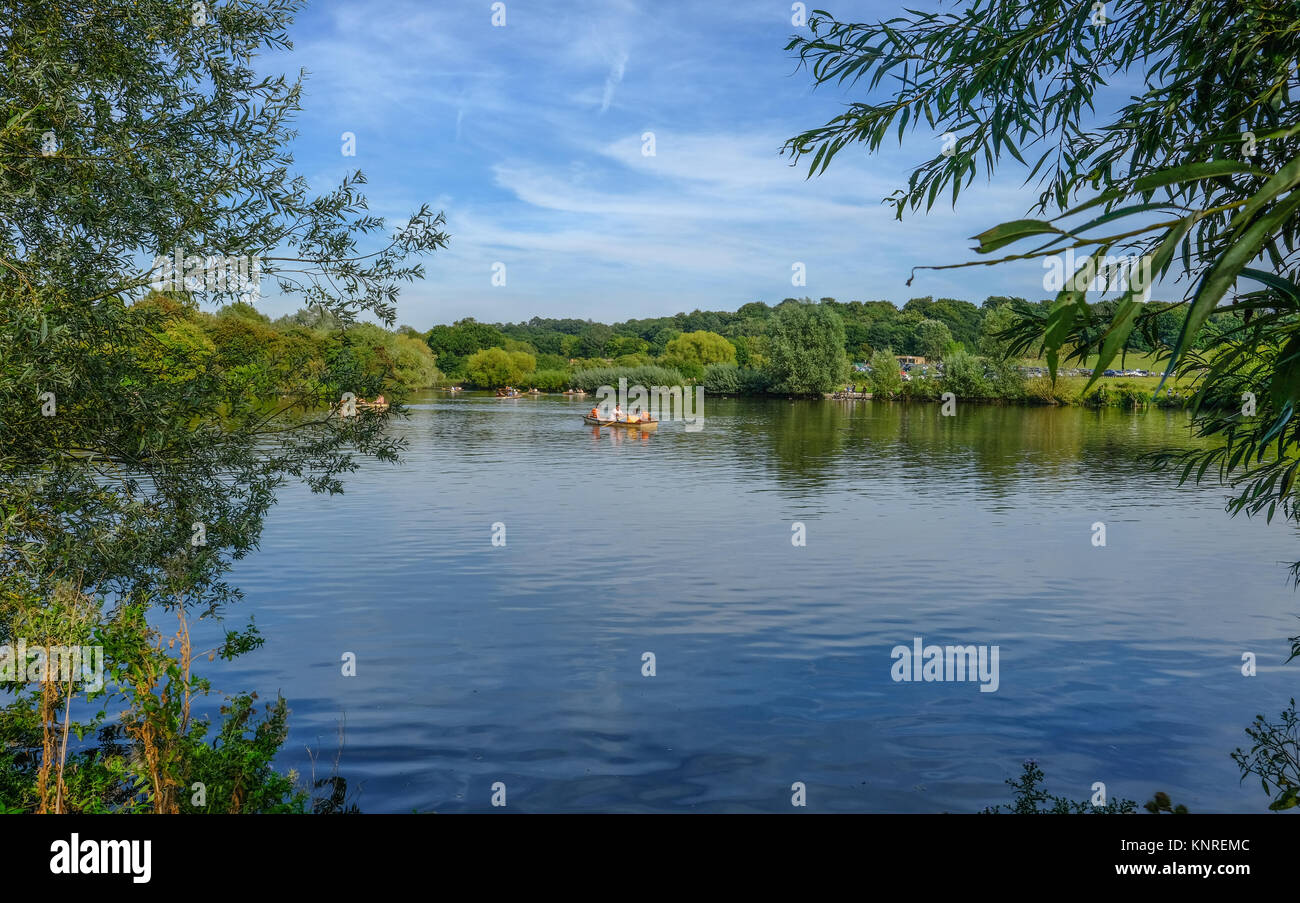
135	465
1274	758
1030	798
1196	178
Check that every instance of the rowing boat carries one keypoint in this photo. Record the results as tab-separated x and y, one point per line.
640	425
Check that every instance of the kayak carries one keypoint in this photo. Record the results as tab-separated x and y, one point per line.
647	425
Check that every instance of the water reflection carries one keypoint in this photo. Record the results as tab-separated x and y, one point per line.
522	663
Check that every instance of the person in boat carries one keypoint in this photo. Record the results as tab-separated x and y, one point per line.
619	416
380	401
595	413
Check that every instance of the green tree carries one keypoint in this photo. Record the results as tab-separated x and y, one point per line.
594	340
698	349
806	349
963	375
129	138
455	343
623	345
414	366
932	338
494	367
886	377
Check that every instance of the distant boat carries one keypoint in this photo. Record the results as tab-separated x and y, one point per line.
644	425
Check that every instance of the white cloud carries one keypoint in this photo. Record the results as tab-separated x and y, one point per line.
616	70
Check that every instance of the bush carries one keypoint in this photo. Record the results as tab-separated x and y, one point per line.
1007	381
928	389
493	367
1030	798
754	382
549	380
1041	390
1125	395
722	379
886	381
728	379
963	375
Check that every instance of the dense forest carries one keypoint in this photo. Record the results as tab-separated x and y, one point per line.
269	358
796	347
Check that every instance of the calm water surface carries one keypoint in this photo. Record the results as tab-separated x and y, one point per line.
522	664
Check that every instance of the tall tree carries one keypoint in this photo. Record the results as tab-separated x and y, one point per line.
133	136
932	338
1196	178
806	349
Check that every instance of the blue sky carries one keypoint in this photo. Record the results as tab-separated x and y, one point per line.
529	137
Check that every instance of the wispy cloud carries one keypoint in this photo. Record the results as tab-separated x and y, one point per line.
530	138
616	70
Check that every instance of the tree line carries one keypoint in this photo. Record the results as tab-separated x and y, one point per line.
796	347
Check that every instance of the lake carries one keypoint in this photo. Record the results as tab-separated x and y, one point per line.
522	663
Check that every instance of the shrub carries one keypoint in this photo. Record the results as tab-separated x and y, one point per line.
722	379
918	389
1031	799
1007	380
885	380
549	380
754	381
963	375
1041	390
494	367
1117	394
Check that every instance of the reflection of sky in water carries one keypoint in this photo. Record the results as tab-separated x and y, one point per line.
523	664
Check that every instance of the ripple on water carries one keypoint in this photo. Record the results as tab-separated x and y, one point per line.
523	664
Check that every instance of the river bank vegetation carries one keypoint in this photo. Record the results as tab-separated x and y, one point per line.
805	348
142	442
